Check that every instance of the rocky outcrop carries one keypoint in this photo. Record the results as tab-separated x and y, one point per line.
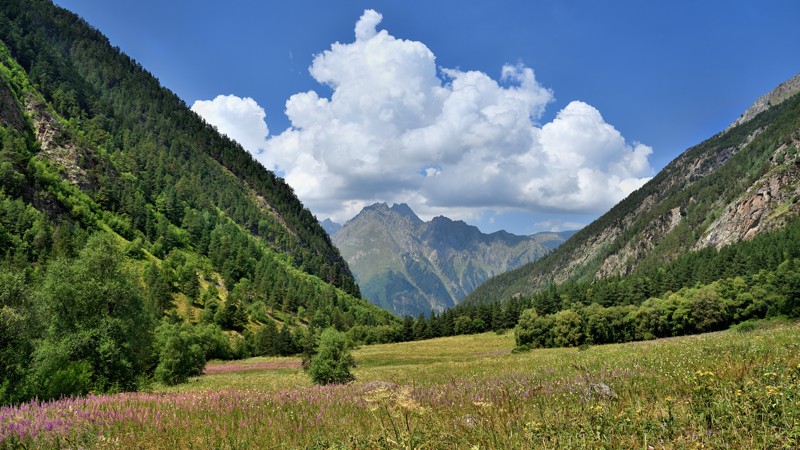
57	145
10	113
773	98
765	206
624	260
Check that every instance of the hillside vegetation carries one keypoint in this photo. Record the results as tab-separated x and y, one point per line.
135	240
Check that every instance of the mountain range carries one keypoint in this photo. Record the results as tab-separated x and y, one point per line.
411	267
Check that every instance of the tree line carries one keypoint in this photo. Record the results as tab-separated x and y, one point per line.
700	291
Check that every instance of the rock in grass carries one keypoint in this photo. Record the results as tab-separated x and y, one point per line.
599	390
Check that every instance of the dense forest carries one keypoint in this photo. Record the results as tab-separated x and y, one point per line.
135	240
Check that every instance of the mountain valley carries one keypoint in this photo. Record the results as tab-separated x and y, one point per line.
412	267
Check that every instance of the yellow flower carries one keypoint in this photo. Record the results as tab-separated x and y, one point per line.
533	426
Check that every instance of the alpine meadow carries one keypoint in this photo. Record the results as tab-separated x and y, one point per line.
165	283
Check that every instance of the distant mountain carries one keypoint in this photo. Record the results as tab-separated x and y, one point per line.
552	239
330	226
409	266
740	183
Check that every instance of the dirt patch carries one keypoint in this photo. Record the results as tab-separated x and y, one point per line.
240	366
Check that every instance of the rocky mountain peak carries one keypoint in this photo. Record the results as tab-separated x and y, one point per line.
409	266
405	211
330	226
775	97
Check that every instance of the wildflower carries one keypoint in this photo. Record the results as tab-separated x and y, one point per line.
533	427
406	401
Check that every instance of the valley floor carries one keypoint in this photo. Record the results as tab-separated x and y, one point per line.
730	389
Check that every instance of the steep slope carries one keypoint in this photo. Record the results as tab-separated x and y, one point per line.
121	209
410	267
102	92
737	184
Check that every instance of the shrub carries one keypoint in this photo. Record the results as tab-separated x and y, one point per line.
180	353
333	361
746	326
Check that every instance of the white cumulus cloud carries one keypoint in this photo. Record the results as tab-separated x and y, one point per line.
446	141
241	119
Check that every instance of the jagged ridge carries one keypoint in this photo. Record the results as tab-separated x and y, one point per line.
410	267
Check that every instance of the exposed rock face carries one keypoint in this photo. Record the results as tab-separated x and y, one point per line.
623	261
410	267
10	113
57	145
785	90
764	207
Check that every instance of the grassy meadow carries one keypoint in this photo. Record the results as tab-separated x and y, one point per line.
731	389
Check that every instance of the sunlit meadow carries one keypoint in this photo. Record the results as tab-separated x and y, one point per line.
730	389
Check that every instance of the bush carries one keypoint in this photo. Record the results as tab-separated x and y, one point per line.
215	343
333	361
55	374
180	353
746	326
525	332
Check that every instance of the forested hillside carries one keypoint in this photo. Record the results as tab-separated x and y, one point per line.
135	240
699	291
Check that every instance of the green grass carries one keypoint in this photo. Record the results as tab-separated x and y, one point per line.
733	389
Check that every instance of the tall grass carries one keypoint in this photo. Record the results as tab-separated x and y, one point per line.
729	389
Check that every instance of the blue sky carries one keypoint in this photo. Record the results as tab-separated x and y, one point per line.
517	115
